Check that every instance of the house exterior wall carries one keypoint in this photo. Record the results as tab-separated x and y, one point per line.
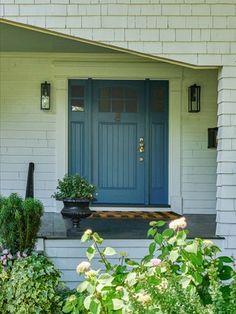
201	32
31	135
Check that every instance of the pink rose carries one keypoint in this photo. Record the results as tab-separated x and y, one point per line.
155	262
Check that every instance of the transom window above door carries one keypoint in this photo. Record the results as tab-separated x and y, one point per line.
118	99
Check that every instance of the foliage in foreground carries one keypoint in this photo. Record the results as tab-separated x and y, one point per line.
19	222
177	276
29	286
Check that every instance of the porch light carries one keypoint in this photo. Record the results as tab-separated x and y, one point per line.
194	93
212	137
45	96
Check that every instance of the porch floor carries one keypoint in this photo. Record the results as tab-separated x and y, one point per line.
53	227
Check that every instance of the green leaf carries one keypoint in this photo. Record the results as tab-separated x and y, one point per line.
197	278
185	281
90	252
97	238
226	273
68	307
85	237
109	251
158	238
196	259
157	224
168	233
87	302
174	254
181	235
117	304
131	279
226	259
151	232
105	279
152	248
95	307
83	286
192	248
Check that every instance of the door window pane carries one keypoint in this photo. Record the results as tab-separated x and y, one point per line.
117	92
131	93
77	105
157	100
104	105
118	99
77	91
118	105
131	105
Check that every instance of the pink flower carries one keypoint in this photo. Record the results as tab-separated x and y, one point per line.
18	255
5	252
3	258
155	262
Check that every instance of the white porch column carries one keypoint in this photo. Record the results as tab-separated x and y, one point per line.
226	159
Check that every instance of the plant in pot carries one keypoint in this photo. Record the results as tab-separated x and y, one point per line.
76	193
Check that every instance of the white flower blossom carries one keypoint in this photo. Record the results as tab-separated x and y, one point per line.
143	297
178	224
83	267
88	232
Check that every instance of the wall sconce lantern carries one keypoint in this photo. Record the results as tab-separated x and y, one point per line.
194	93
212	137
45	96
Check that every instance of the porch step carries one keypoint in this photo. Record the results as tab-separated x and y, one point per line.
66	254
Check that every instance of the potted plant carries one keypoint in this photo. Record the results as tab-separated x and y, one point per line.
76	193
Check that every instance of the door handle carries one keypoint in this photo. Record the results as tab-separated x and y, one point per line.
141	145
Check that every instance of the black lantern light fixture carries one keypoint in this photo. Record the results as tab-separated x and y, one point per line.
45	96
212	137
194	93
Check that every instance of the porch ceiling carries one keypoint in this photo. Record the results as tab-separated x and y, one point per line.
18	37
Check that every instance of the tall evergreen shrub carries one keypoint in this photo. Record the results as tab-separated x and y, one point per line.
19	222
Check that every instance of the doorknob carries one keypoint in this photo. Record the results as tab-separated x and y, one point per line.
141	145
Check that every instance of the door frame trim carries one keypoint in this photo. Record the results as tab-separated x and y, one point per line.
174	132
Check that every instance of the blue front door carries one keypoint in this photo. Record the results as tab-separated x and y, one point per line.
118	139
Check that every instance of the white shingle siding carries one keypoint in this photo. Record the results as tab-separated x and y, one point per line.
26	133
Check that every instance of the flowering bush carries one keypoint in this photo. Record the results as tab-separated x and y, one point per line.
30	286
176	276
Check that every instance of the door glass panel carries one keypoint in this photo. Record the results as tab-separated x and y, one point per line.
104	105
131	105
157	100
77	105
117	92
118	105
131	93
77	91
118	99
104	92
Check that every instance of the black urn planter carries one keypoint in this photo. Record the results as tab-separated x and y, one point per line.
74	210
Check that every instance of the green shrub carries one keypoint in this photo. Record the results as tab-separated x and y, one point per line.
177	276
19	222
74	187
32	287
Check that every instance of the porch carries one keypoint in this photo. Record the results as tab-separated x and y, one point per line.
125	235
